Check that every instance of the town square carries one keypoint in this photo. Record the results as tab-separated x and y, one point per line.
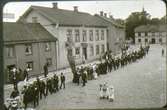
58	58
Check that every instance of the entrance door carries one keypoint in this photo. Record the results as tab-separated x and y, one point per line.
153	40
85	52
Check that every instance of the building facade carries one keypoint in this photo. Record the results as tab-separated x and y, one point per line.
115	31
87	34
153	34
28	45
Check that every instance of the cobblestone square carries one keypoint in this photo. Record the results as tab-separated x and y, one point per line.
138	85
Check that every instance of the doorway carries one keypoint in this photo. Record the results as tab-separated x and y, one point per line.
85	52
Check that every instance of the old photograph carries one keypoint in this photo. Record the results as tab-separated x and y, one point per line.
84	54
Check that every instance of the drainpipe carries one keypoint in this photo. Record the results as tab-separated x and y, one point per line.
56	56
39	56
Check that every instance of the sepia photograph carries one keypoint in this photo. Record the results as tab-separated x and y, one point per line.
84	55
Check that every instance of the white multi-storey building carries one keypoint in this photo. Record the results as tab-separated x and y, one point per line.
151	34
86	34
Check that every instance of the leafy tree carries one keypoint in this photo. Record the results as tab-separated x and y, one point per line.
163	20
134	20
155	21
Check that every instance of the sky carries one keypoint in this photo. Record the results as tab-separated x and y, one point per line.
117	8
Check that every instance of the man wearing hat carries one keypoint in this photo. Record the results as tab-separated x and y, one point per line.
84	78
62	79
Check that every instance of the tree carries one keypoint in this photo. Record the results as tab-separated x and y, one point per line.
163	20
155	21
120	21
134	20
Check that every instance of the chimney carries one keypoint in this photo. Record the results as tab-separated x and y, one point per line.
111	16
101	13
75	8
55	5
105	14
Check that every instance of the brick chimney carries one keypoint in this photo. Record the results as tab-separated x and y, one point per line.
75	8
55	5
101	13
105	14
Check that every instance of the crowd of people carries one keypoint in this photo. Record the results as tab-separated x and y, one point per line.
32	93
110	63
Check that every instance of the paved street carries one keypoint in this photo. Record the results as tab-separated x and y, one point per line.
139	85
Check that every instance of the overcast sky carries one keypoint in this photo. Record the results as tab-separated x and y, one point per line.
117	8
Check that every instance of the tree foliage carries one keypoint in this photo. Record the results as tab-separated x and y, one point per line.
136	19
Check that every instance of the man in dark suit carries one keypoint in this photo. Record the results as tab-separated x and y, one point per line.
62	78
45	70
84	78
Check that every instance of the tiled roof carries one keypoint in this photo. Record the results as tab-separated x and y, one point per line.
111	20
25	32
151	28
68	17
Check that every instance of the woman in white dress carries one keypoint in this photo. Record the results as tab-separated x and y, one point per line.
94	72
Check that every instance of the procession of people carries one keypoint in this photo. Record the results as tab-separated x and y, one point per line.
32	92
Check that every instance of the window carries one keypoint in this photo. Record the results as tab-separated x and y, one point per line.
69	35
69	52
84	35
160	40
139	40
49	61
10	51
28	49
153	33
34	19
91	50
139	34
97	49
77	37
146	40
102	48
29	65
102	34
91	35
97	34
47	46
146	34
77	51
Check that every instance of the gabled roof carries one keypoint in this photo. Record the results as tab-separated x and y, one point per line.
111	20
151	28
67	17
25	32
